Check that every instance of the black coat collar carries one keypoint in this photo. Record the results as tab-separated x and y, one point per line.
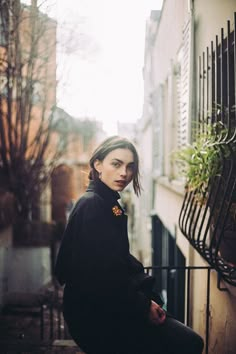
103	190
110	198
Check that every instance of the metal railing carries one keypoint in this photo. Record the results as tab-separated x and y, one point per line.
210	227
170	274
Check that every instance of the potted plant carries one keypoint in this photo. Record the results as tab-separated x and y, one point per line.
199	162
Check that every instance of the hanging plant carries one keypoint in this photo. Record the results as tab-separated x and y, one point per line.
199	162
206	165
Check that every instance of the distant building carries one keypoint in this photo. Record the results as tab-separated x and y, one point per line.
27	94
127	130
70	176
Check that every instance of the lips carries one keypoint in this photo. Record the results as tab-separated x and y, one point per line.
120	182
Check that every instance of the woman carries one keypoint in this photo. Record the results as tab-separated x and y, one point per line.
108	301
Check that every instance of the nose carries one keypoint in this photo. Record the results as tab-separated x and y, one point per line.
123	171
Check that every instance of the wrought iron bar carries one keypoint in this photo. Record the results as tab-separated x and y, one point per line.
234	51
203	91
205	224
207	86
188	296
213	85
217	78
207	309
229	83
199	93
222	77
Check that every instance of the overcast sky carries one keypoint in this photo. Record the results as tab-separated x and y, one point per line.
102	76
100	62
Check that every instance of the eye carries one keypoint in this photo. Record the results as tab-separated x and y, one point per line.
116	164
130	167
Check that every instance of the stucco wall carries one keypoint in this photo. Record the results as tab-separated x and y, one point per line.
144	227
209	17
174	15
167	206
222	325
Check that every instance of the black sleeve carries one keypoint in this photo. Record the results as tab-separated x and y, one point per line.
63	268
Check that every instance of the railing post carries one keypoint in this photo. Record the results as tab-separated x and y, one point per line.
208	309
188	295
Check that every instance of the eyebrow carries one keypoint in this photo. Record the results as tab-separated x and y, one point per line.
118	160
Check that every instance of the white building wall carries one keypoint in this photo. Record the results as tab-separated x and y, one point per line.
168	38
144	228
145	148
168	54
210	16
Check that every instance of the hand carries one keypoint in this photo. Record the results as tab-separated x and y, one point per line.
156	314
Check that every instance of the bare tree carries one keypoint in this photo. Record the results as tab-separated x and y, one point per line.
29	146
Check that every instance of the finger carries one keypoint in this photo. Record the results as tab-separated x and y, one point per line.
162	316
160	311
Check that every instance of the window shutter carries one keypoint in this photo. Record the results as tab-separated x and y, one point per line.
158	132
183	87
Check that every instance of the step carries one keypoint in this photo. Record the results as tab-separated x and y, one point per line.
66	343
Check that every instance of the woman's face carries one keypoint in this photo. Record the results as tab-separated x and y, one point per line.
117	169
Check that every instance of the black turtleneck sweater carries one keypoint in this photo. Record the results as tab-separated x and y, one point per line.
94	260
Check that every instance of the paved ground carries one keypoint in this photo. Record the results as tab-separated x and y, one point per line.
20	334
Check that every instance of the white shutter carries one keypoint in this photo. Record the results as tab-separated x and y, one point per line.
158	132
183	87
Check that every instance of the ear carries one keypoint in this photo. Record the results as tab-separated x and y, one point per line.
97	165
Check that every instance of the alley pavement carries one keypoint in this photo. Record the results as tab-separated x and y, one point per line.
20	333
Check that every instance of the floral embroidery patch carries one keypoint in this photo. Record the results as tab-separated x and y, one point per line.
116	210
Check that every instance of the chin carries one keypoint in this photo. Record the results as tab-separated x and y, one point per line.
118	189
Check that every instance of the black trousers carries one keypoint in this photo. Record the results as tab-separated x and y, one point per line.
172	337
